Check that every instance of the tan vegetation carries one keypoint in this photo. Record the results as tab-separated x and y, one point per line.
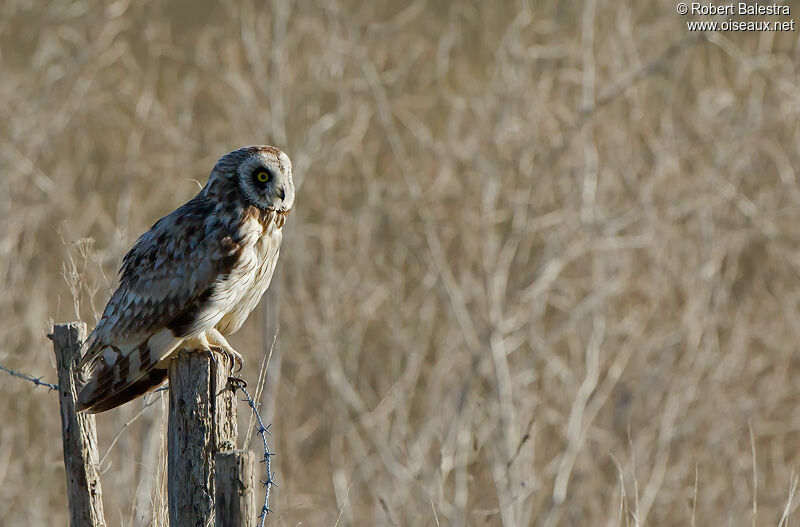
542	270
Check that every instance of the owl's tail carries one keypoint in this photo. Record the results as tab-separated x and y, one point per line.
119	374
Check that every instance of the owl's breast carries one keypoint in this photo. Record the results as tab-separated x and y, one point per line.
251	277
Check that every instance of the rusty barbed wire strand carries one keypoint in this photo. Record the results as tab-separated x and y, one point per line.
35	380
262	431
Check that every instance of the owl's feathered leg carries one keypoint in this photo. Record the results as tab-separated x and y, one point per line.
216	340
200	342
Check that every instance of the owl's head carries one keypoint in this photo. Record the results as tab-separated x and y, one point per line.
263	175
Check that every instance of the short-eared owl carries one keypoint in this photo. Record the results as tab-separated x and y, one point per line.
192	278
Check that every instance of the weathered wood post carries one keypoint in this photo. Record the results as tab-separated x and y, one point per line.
236	482
78	433
202	422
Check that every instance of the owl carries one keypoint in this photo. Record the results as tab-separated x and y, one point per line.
190	280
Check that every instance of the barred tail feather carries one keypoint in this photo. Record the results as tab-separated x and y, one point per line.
150	381
120	374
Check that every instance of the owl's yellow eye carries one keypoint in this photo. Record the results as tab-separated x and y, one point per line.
262	176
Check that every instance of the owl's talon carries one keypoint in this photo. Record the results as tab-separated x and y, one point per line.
236	361
234	358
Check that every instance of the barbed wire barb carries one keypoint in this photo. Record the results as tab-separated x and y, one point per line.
35	380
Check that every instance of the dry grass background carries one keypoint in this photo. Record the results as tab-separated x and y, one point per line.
542	269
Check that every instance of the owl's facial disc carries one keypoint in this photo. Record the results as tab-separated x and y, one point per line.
266	181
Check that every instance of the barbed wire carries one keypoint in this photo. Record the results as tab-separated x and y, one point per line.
39	382
262	431
35	380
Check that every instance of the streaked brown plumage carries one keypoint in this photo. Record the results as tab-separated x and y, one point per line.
192	278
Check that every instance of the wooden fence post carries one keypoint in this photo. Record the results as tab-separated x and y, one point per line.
202	422
78	433
235	482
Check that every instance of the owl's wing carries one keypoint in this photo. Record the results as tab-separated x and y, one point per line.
167	283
